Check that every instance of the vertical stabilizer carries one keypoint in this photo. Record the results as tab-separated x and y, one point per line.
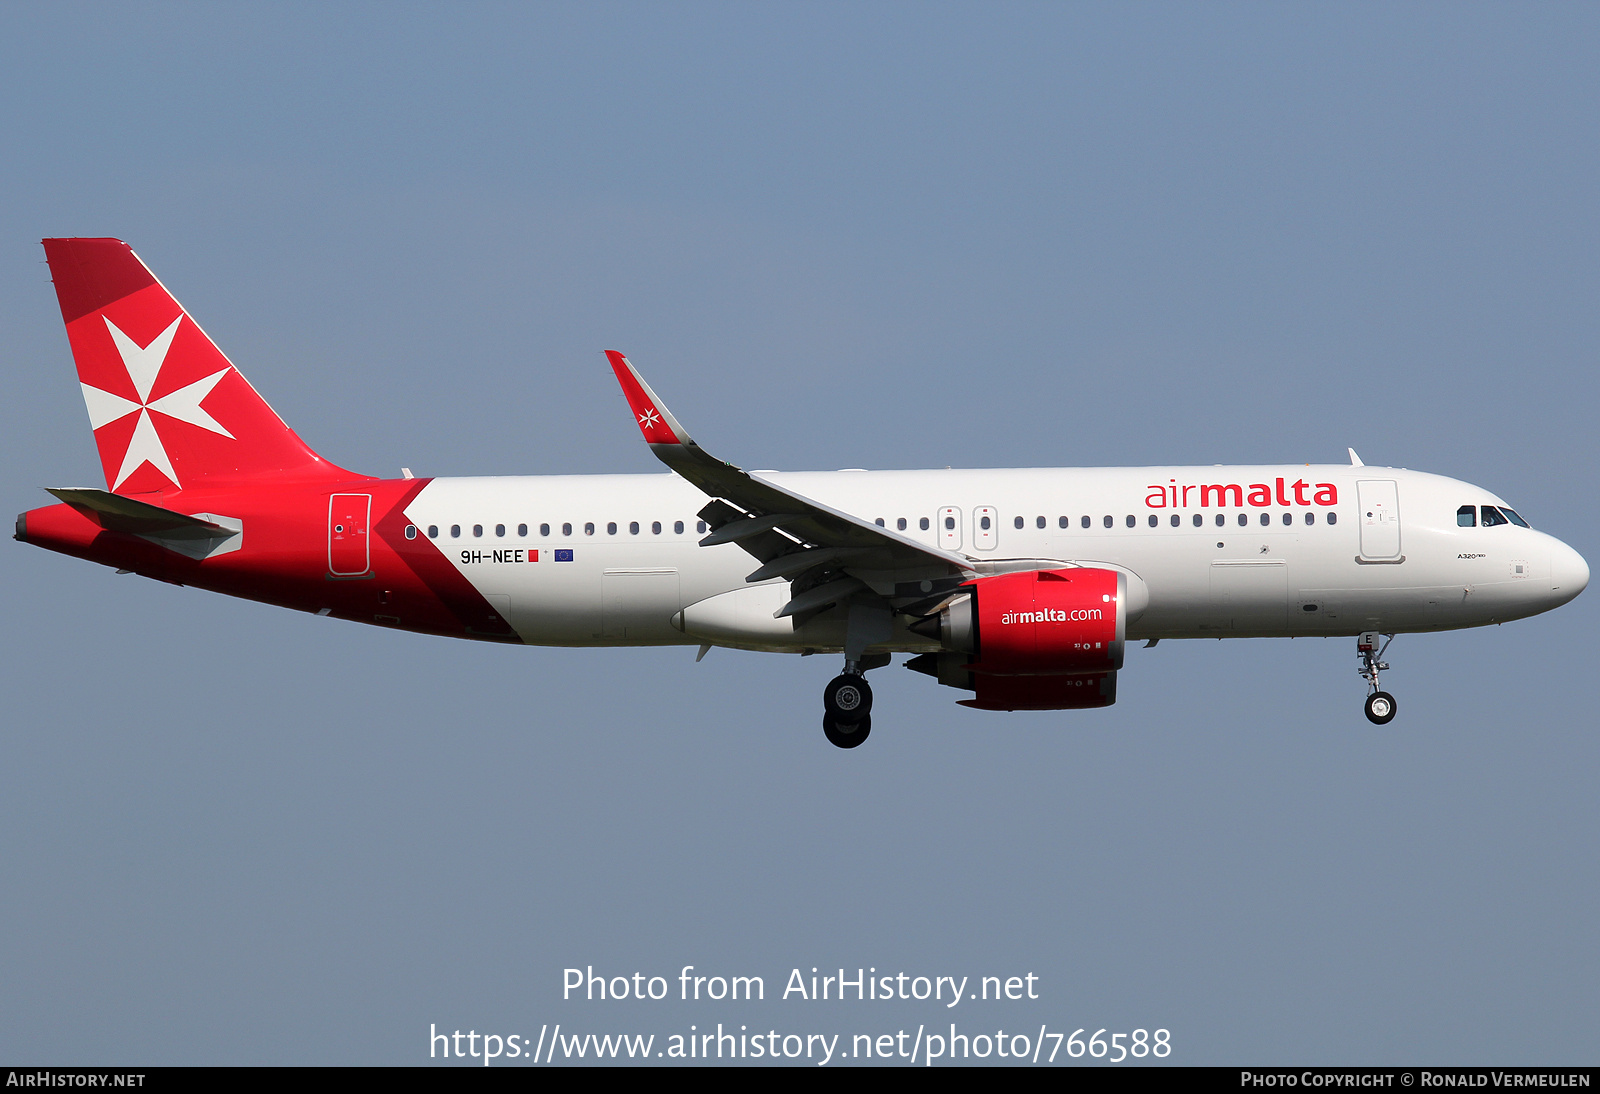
168	410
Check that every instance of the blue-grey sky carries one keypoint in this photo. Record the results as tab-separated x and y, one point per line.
831	235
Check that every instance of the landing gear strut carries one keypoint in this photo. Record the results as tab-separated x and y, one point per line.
1380	704
848	697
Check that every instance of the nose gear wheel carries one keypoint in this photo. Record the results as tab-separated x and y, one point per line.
1380	708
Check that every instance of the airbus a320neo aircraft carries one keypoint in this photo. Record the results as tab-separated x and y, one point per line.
1016	587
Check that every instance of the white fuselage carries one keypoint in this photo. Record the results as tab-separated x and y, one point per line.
1223	551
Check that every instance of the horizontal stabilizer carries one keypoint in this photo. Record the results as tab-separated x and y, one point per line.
116	513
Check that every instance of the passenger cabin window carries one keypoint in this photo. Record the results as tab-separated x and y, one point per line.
700	526
1288	518
411	531
433	531
879	522
1266	519
1017	523
1492	517
1175	520
949	524
455	531
522	531
655	528
1132	520
588	528
566	529
1062	522
1221	520
1333	518
1086	521
1038	522
923	524
1244	518
1311	518
500	529
1199	519
1153	520
1467	516
477	529
544	529
900	524
677	527
1109	521
633	527
611	528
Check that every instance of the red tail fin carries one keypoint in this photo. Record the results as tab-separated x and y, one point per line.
167	408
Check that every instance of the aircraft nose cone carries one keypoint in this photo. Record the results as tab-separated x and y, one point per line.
1569	573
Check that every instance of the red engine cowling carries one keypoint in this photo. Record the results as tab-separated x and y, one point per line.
1040	639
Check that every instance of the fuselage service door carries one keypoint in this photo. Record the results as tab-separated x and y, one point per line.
1380	518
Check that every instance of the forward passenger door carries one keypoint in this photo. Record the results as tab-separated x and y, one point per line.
1380	519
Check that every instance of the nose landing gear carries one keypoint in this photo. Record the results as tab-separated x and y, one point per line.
1380	705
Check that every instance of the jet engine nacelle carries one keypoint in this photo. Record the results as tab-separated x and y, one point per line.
1035	640
1038	622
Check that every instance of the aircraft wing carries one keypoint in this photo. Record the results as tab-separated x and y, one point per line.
790	534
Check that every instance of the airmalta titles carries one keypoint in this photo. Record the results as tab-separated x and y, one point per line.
1233	495
1051	615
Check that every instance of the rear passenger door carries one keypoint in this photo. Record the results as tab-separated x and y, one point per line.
348	554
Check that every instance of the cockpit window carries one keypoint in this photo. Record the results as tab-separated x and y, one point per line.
1511	515
1492	517
1467	516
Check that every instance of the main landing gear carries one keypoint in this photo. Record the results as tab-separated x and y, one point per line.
847	701
848	697
1380	704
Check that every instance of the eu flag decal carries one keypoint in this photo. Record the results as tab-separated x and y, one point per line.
563	554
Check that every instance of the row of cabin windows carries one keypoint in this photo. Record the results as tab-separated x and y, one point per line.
634	528
1467	516
1198	519
1464	517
